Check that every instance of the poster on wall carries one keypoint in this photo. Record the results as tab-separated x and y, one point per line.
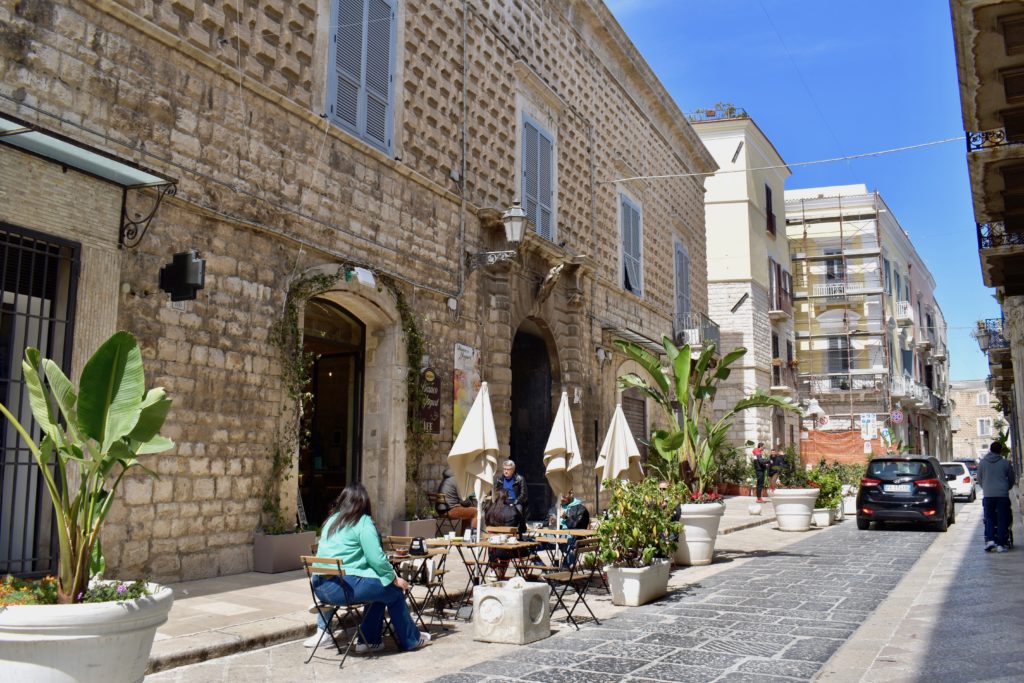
466	379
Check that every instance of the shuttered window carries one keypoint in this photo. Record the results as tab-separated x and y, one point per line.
538	162
632	261
634	407
683	302
359	96
769	210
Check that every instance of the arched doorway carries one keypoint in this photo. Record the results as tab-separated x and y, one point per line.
331	457
531	413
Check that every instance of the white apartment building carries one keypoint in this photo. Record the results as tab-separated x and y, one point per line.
749	282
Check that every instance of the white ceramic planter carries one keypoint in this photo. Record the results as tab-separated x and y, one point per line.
822	517
633	587
850	504
99	642
837	513
700	528
511	615
793	508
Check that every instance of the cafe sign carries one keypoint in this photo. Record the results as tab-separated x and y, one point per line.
430	409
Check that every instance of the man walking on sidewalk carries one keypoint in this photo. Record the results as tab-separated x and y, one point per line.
996	476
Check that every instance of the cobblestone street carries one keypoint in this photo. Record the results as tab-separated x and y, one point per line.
777	618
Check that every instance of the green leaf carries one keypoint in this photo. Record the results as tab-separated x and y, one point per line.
111	390
155	407
723	367
97	563
62	389
647	360
158	444
42	411
681	367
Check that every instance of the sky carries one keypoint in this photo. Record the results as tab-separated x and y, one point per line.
830	78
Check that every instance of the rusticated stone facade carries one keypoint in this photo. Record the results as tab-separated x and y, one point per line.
226	97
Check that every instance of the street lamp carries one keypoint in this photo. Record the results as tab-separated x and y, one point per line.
514	220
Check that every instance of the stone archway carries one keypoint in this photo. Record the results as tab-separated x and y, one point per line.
535	386
382	454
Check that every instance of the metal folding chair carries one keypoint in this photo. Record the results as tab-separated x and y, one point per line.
332	566
444	522
577	578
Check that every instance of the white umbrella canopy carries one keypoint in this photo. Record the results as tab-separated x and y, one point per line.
474	455
562	452
619	457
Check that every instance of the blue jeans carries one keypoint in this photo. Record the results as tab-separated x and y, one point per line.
997	519
342	590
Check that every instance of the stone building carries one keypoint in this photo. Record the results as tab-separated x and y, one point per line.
749	272
989	39
975	423
871	338
340	165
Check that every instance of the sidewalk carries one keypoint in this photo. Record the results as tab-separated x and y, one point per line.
958	615
224	615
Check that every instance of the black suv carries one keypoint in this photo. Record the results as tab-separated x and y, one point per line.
905	488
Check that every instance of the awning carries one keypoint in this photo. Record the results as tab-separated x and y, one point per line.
54	147
66	152
635	337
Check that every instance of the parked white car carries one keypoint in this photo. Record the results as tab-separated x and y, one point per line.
960	480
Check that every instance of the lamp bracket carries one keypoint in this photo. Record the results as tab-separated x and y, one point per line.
485	259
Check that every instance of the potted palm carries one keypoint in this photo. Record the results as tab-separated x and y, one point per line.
636	538
830	494
88	438
691	449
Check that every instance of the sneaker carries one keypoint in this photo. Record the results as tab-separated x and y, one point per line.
312	609
424	640
760	500
315	638
1002	549
363	648
990	546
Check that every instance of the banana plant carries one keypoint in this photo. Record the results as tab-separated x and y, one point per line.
92	435
690	445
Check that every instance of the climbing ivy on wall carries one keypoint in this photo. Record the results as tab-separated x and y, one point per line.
296	364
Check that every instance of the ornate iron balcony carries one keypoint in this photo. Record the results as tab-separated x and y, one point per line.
994	326
986	139
994	235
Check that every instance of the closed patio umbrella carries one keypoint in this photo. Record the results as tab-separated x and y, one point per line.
562	452
619	457
474	455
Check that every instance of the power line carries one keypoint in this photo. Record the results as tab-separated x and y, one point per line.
847	157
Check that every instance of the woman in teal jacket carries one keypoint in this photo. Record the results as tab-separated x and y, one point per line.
349	534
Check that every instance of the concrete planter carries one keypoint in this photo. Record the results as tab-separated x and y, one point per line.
276	553
822	517
850	505
837	513
700	528
793	508
427	528
511	615
633	587
99	642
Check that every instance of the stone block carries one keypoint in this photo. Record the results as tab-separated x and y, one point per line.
506	614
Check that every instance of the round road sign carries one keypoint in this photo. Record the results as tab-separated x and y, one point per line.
897	416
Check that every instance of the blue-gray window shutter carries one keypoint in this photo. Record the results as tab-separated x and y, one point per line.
633	274
361	81
538	158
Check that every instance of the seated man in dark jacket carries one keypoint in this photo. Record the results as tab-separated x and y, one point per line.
569	513
459	509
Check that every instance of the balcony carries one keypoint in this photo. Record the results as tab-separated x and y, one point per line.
1001	247
844	288
697	330
780	308
988	139
899	386
834	383
939	352
904	313
783	379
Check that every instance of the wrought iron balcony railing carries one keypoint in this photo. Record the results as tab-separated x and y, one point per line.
904	313
837	382
696	329
986	139
994	235
994	326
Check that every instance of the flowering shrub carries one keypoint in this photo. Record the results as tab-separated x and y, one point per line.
15	591
703	497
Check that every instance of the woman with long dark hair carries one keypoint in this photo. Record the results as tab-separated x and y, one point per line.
349	534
